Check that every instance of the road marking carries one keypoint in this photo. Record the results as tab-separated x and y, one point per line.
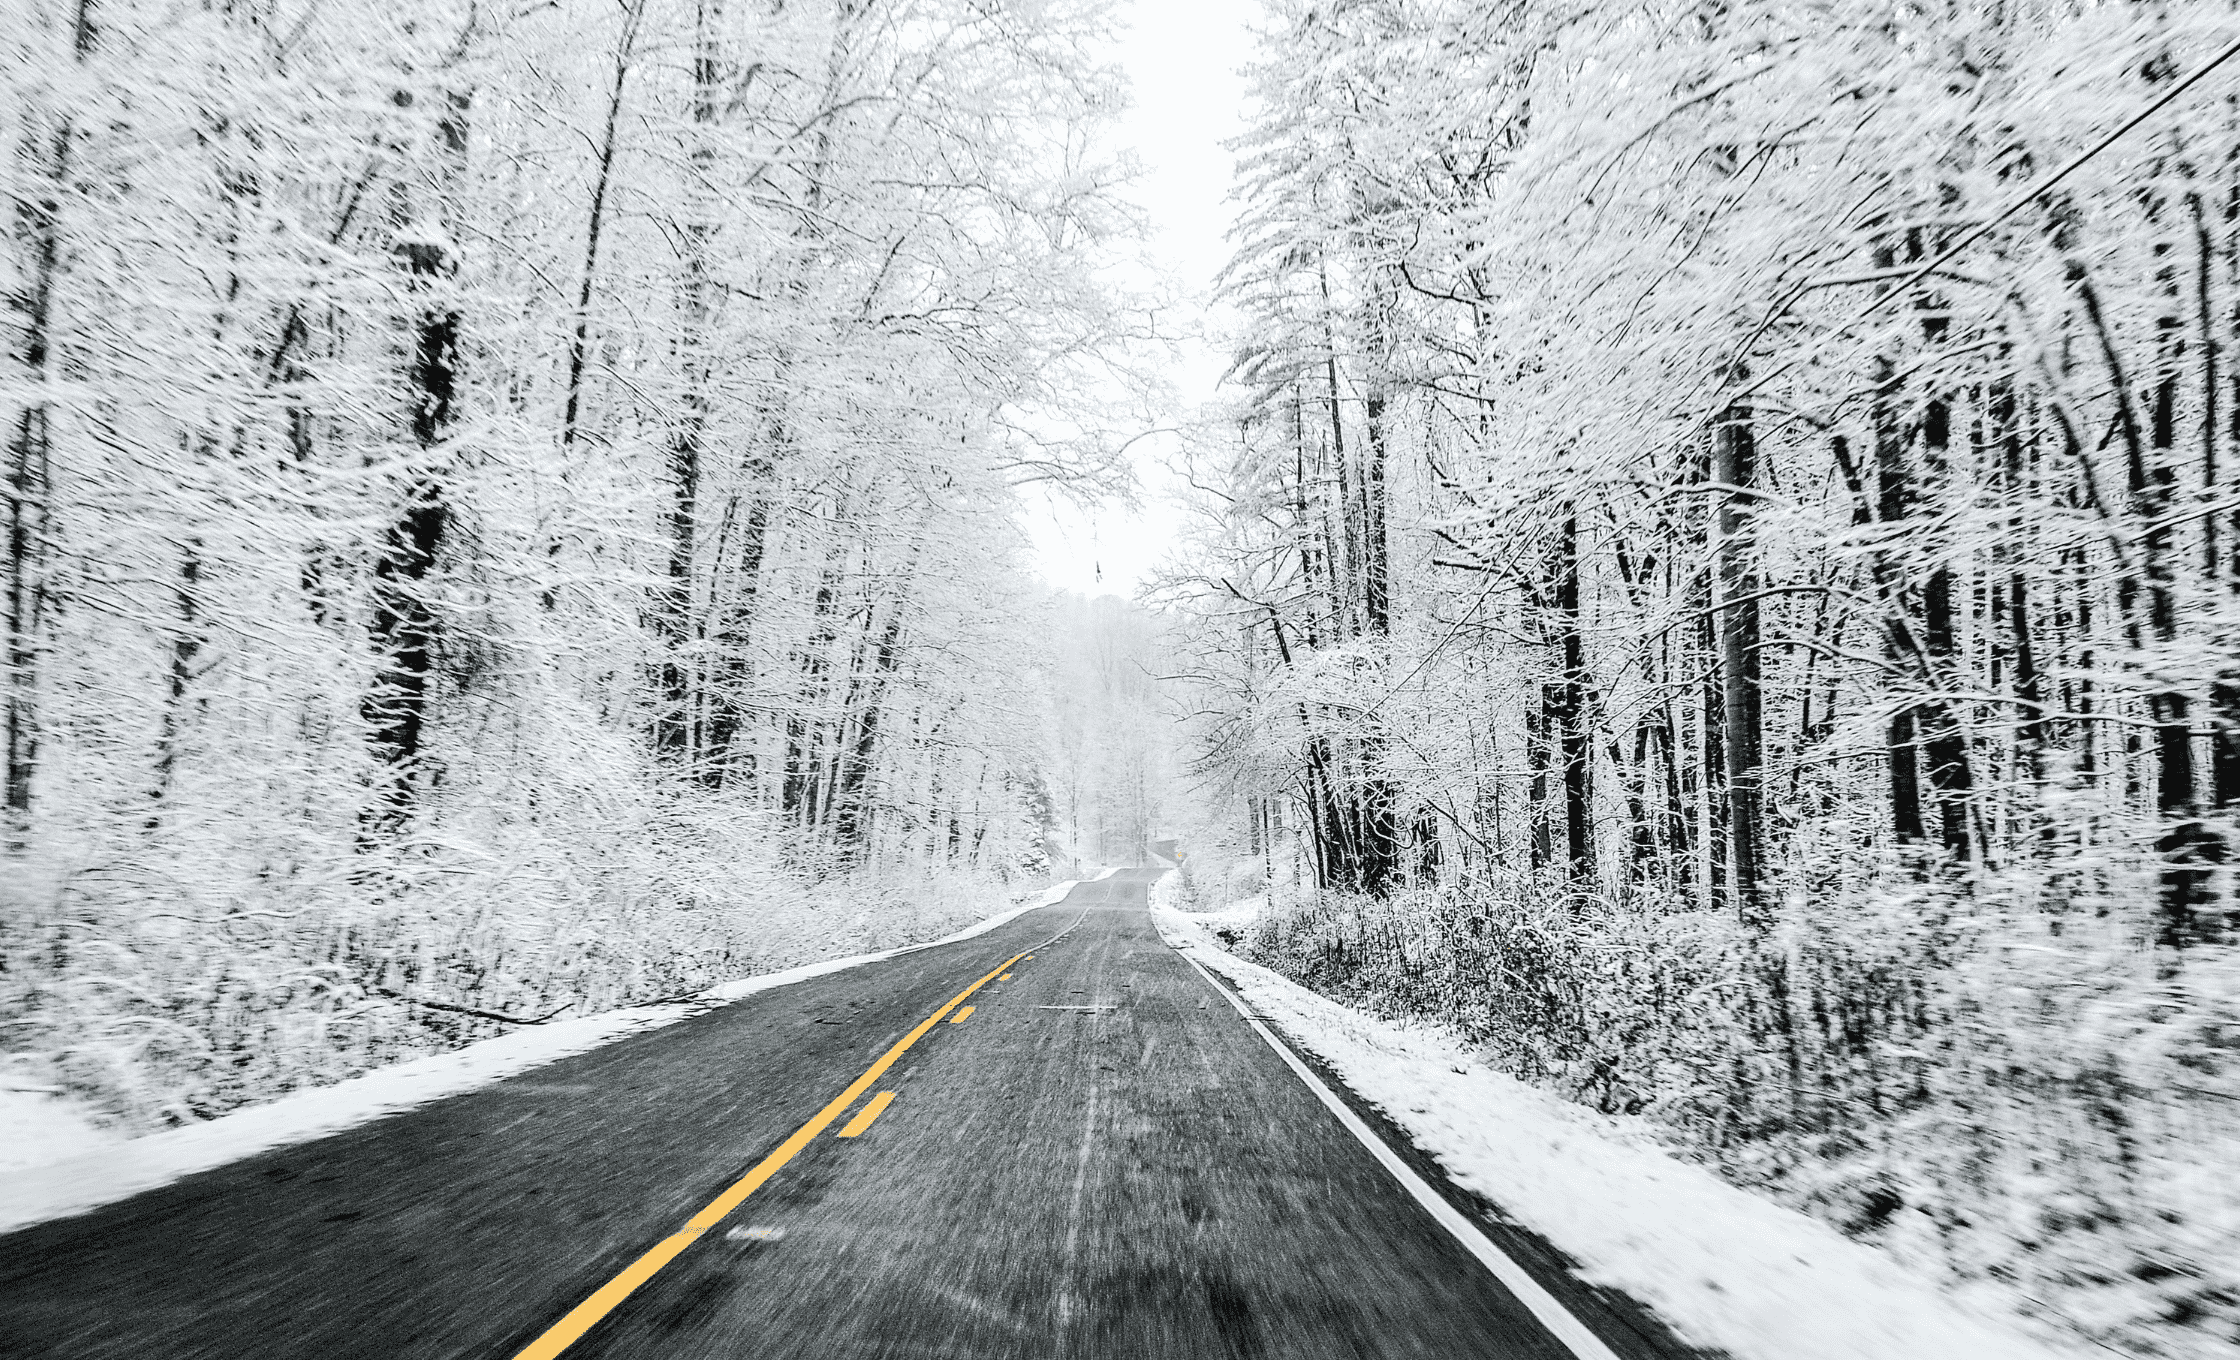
564	1333
877	1107
958	1018
1005	978
1572	1333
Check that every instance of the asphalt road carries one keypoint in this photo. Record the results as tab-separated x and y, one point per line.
1101	1160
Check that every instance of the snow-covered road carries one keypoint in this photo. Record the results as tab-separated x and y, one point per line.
1071	1140
1066	1142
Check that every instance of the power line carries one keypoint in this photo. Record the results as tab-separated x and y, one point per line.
1971	237
1967	239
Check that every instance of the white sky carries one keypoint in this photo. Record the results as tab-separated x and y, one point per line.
1182	56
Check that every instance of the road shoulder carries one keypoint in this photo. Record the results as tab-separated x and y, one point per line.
118	1169
1711	1266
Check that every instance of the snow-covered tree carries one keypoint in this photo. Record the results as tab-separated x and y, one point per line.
511	508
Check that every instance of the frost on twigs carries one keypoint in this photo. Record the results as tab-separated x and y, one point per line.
510	513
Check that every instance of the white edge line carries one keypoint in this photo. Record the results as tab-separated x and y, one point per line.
79	1184
1574	1334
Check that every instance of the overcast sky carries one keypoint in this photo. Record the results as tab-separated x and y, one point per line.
1182	56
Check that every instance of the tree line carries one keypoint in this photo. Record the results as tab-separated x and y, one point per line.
1716	575
563	452
1756	439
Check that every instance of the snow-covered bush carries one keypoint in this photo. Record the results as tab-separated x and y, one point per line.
165	995
2017	1096
484	535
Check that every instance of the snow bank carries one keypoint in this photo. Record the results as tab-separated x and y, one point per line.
1722	1267
1237	916
58	1163
41	1126
104	1175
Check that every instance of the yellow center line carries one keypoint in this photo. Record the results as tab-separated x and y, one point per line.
1005	978
585	1315
958	1018
878	1106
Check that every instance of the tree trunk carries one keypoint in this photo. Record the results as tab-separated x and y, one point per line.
2032	734
675	733
404	625
186	647
1944	749
1712	838
579	343
30	446
852	817
2190	849
1567	717
1734	451
1893	503
1540	724
1376	564
1344	550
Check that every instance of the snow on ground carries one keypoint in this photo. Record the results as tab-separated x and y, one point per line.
57	1162
44	1125
1724	1268
1237	916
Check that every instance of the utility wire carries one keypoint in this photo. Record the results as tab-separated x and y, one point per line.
1967	239
2017	205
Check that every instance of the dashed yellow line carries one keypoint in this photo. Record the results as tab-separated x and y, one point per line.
958	1018
585	1315
878	1106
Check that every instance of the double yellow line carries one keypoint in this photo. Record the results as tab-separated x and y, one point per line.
584	1315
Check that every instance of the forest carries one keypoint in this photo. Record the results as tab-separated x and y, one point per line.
1716	578
1713	573
511	509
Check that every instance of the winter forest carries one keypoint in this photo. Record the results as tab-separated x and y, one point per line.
510	508
1713	571
1716	579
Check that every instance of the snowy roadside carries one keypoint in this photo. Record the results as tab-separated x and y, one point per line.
1722	1267
54	1162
